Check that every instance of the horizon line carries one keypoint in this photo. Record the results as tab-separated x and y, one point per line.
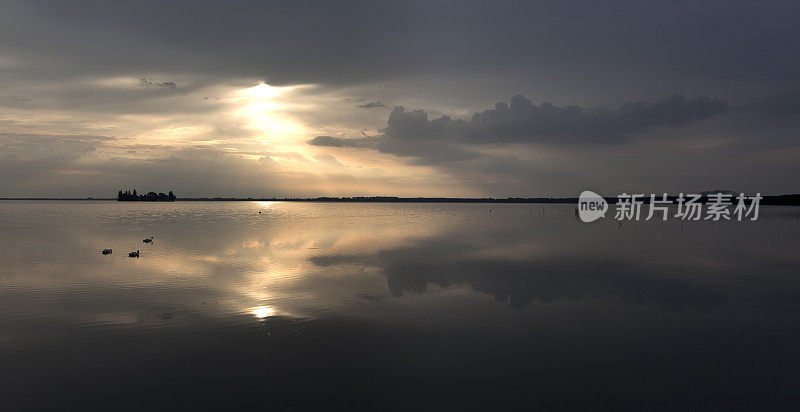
792	198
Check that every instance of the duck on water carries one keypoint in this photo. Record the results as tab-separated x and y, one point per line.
134	254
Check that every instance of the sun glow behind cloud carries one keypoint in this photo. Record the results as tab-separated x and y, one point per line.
265	108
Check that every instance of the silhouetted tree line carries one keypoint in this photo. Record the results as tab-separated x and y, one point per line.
127	196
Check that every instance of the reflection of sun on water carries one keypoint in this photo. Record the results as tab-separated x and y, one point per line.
262	312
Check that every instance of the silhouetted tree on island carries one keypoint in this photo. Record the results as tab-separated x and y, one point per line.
127	196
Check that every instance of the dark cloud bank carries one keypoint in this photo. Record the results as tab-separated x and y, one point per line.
521	121
695	141
524	122
354	41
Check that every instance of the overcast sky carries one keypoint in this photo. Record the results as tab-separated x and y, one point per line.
295	98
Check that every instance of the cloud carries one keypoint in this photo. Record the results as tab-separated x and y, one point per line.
151	83
389	41
371	105
328	159
522	121
330	141
50	145
427	152
523	149
415	125
444	139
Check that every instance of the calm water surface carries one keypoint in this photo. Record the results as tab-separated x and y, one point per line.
293	306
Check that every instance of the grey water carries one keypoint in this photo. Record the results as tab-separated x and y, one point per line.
298	306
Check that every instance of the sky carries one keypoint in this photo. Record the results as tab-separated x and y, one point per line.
402	98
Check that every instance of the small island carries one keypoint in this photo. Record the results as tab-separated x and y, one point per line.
127	196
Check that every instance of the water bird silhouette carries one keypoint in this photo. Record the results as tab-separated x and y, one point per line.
106	251
134	254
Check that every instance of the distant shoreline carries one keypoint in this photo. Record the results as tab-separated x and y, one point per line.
785	200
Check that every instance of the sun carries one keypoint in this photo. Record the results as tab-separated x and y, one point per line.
265	91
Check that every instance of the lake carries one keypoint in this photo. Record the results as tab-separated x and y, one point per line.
393	306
